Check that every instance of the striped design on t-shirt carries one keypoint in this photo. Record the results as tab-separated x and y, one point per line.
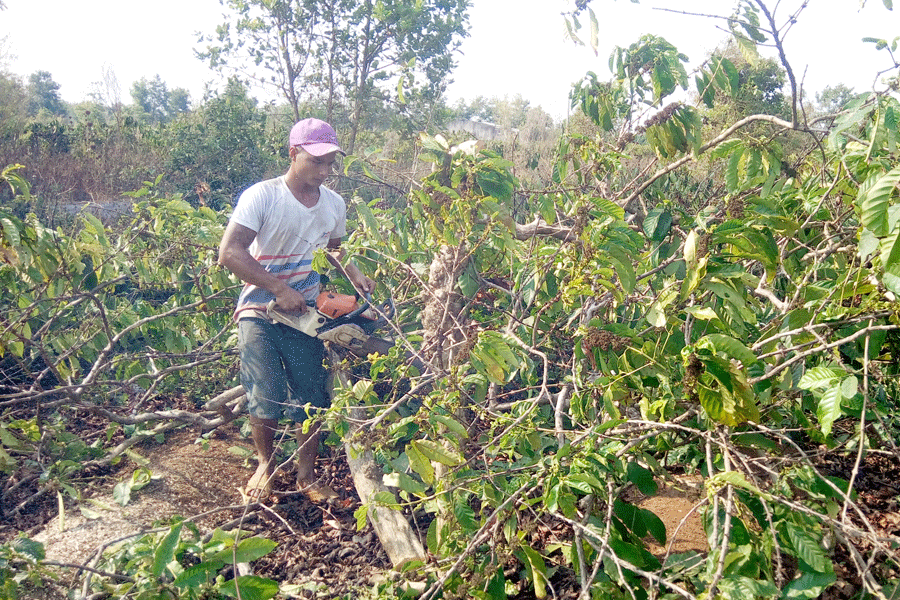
288	234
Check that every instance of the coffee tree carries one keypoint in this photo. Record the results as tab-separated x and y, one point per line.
625	333
683	298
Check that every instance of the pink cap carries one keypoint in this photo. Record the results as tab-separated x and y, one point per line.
315	136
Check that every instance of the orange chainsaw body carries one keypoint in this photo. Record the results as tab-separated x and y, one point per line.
336	305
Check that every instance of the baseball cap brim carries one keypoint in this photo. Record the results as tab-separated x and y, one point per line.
321	148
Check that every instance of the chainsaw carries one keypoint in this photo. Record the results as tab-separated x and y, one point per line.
341	319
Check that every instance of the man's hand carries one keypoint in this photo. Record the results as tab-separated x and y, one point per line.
336	255
361	282
290	300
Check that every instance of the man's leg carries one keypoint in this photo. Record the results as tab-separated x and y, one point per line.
307	451
262	376
263	433
308	380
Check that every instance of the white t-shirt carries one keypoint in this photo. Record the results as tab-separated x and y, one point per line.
287	235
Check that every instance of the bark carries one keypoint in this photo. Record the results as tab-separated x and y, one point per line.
396	535
445	331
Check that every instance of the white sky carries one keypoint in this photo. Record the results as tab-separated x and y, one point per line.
515	46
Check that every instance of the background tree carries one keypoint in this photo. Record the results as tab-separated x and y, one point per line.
43	95
396	49
13	109
342	58
155	102
216	151
833	98
265	43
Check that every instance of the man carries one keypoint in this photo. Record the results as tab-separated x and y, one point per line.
269	243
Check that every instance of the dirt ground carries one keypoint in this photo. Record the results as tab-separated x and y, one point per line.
319	548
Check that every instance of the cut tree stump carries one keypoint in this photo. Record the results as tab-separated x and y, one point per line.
396	535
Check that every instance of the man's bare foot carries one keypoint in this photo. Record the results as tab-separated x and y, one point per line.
317	492
259	486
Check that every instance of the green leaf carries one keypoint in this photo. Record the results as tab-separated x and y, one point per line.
658	223
198	575
732	348
891	278
829	408
873	202
731	171
252	587
10	232
436	452
405	482
360	514
29	547
585	482
655	525
849	386
741	587
807	548
247	550
165	552
451	424
819	377
808	586
623	266
122	492
465	515
537	569
363	210
642	478
631	517
419	463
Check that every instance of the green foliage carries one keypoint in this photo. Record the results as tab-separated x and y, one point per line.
156	102
222	148
21	571
696	293
43	96
101	319
600	354
179	562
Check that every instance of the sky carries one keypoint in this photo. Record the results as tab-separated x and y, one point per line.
515	47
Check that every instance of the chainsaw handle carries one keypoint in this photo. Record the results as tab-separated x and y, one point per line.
272	305
387	307
362	308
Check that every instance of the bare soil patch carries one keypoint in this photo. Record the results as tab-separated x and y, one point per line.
678	504
319	547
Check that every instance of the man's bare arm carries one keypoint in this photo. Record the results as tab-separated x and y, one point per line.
336	256
234	255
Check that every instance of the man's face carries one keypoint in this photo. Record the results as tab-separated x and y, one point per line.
311	171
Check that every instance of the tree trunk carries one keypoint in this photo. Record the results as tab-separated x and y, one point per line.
398	538
445	331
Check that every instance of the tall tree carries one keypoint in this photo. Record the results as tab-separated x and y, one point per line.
43	93
266	42
396	48
156	101
340	52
